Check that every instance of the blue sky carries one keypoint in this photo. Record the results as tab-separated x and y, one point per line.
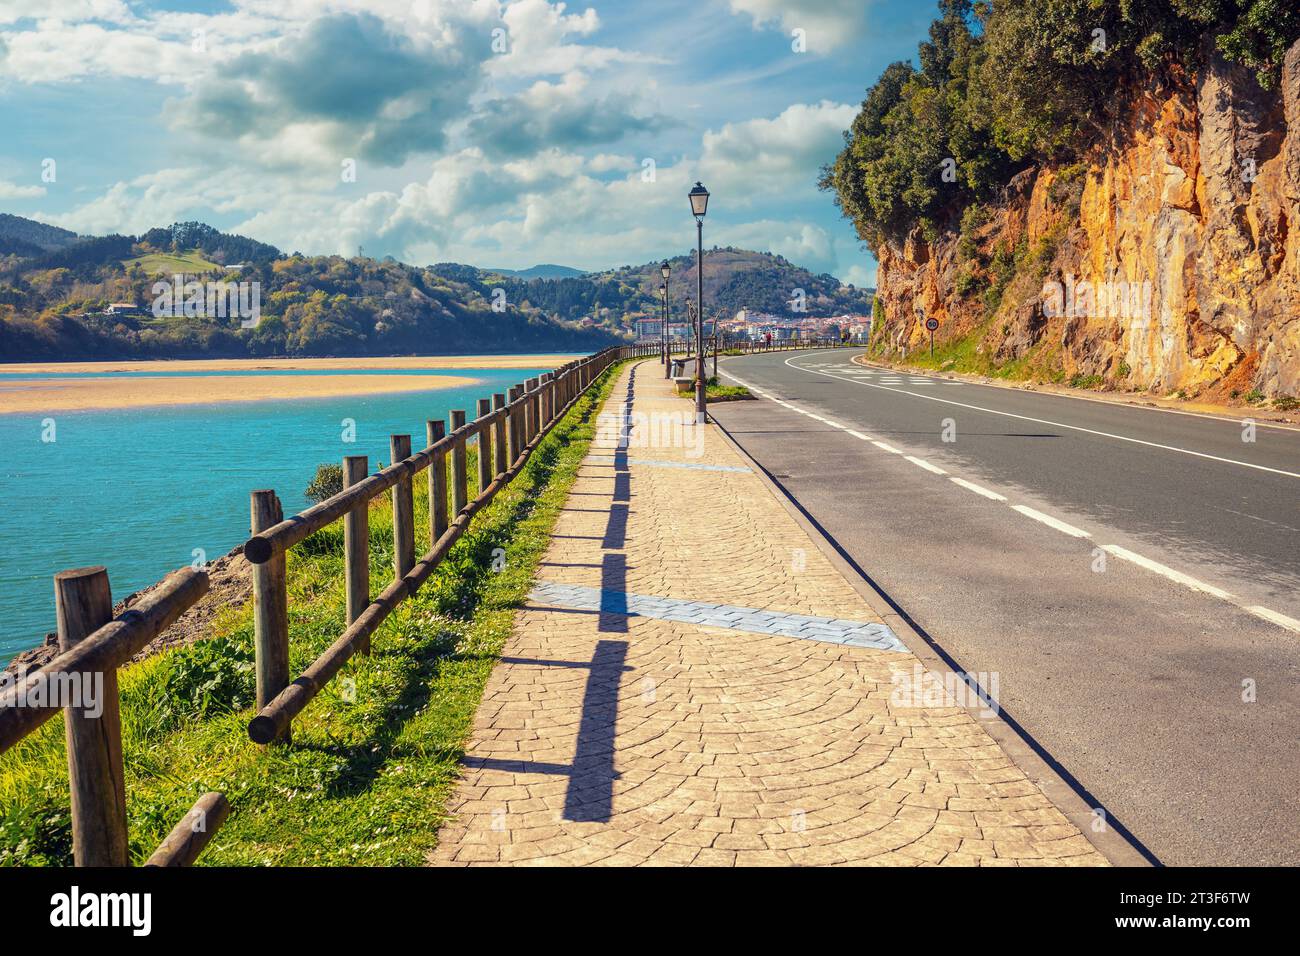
495	133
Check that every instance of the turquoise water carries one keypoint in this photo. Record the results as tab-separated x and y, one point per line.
138	490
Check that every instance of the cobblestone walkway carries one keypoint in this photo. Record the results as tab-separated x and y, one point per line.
692	682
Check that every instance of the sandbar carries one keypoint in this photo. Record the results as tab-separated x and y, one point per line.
41	396
548	360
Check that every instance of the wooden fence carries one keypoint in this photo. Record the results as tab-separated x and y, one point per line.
93	644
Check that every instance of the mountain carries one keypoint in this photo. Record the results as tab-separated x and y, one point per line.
27	237
1120	215
543	271
734	279
54	302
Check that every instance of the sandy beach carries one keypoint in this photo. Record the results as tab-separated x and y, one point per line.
304	364
41	396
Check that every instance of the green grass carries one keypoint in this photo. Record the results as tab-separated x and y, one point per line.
714	391
171	263
375	755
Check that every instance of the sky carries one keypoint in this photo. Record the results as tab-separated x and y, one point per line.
499	134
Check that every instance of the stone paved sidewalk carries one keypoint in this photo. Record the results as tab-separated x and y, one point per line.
693	682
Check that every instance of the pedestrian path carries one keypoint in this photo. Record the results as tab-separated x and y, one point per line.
693	682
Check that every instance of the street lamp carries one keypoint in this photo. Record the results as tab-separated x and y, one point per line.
664	271
699	197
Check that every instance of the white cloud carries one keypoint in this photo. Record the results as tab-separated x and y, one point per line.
756	158
827	24
69	11
10	190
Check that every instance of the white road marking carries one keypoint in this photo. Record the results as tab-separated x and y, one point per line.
1178	577
1281	620
971	486
1051	522
1165	571
1077	428
925	464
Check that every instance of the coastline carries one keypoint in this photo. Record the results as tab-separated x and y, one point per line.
380	363
41	396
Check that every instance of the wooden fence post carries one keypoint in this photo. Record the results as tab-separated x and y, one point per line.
548	399
484	446
356	543
459	478
96	781
270	607
437	483
530	411
499	436
399	449
513	425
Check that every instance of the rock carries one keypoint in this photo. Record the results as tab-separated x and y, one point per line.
1188	227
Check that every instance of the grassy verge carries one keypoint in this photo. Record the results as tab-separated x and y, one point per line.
715	391
374	757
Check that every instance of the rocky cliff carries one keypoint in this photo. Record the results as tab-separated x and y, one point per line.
1168	260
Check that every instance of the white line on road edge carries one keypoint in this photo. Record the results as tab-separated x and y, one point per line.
971	486
1051	522
1178	577
921	462
1044	421
1281	620
1168	572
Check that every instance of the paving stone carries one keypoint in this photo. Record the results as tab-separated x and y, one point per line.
721	709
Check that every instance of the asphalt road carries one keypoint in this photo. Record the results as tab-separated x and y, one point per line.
1141	610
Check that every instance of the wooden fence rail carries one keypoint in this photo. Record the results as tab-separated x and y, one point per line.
93	644
515	424
82	682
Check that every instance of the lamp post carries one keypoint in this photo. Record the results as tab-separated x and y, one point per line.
664	271
699	197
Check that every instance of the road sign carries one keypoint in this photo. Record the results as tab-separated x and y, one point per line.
931	324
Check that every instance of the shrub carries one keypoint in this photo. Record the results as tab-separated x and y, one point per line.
327	483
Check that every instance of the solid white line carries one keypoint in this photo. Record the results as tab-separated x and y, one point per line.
925	464
1178	577
1044	421
1051	522
1281	620
1102	401
971	486
1168	572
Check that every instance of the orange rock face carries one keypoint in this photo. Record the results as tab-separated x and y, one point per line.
1172	261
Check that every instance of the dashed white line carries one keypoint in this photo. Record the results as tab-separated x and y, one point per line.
1178	577
971	486
1167	572
1044	421
1051	522
922	463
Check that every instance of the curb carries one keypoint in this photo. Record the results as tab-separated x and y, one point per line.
1114	842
